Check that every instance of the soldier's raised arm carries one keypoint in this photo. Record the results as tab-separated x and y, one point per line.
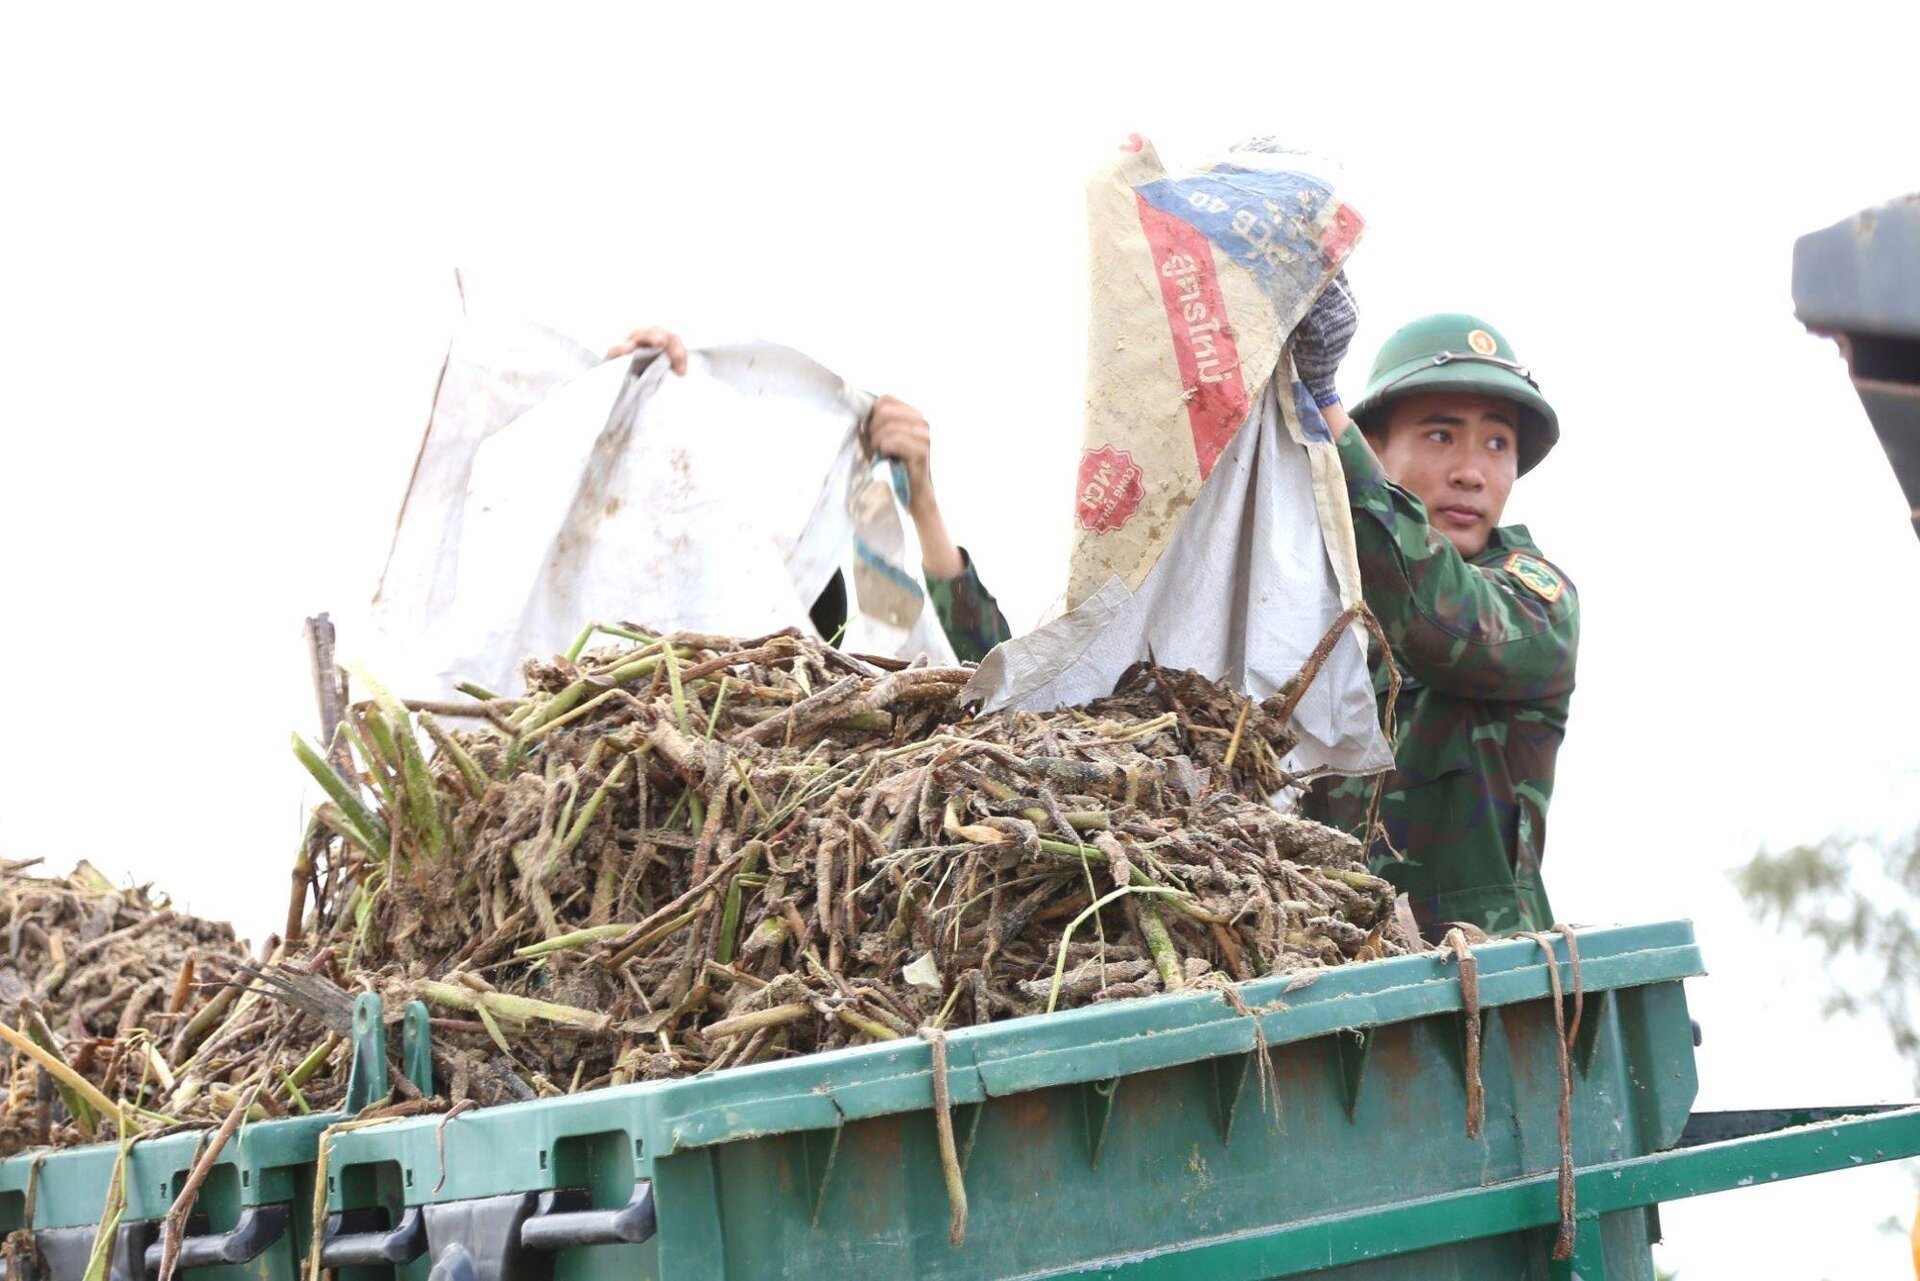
968	612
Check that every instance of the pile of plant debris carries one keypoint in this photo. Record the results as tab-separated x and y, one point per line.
693	852
685	853
120	989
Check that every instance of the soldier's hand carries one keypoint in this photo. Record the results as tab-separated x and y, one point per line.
1320	342
658	338
898	430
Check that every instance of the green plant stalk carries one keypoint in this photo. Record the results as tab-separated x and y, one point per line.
83	1113
606	884
665	930
995	788
627	633
561	942
1078	820
741	1024
674	813
1166	958
557	706
640	667
100	1257
1362	881
746	780
563	702
592	807
386	751
1146	729
470	772
1060	965
57	1068
376	770
155	1065
1179	900
861	1023
473	689
422	803
560	722
493	1029
606	629
363	916
334	821
743	880
903	915
677	695
561	826
314	1061
92	878
371	832
202	1023
729	923
519	1009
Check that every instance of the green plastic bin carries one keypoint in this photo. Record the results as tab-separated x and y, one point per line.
1136	1138
253	1217
256	1203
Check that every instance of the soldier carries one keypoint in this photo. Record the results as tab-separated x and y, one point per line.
967	611
1482	626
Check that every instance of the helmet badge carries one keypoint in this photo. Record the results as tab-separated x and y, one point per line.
1482	341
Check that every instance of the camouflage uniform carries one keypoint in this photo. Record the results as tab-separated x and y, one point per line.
1486	652
968	613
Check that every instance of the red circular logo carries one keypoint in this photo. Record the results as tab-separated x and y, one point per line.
1110	489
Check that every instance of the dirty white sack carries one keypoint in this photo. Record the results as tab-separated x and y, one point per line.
554	490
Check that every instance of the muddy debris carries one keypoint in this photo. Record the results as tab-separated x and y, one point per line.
678	854
120	988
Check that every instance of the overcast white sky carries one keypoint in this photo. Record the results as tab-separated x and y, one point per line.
227	283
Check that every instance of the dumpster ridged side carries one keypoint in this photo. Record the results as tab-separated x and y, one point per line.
255	1206
1115	1139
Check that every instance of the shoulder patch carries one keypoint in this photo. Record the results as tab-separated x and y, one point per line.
1536	576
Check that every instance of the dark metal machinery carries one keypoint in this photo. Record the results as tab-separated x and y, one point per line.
1858	281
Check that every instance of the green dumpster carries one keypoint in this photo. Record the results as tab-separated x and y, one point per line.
253	1216
1317	1125
253	1208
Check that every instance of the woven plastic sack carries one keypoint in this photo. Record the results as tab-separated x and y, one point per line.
1212	530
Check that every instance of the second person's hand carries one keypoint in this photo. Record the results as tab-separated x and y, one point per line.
657	337
897	430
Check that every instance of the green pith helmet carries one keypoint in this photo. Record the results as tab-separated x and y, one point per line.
1458	353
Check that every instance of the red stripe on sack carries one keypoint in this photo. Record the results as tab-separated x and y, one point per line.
1341	231
1202	339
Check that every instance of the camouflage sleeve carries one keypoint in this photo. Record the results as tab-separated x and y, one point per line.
968	613
1505	631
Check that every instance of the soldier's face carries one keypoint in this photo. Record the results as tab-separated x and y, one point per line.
1459	454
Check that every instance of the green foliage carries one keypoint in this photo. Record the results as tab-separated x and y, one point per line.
1859	899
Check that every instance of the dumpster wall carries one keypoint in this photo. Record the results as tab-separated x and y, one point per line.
1113	1138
